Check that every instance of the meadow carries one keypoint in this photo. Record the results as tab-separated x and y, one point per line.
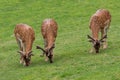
72	60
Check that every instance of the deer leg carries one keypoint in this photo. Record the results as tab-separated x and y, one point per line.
24	49
52	54
19	41
107	23
51	58
21	59
19	44
104	32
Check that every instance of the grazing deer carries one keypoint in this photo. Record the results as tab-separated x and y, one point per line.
100	21
24	36
49	33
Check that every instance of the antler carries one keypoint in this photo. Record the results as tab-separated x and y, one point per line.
21	52
30	53
38	47
105	36
90	38
53	46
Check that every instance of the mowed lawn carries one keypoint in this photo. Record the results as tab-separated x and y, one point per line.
72	60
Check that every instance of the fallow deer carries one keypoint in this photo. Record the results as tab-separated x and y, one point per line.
99	22
49	32
25	37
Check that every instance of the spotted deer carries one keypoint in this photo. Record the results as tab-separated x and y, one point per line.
25	37
99	22
49	32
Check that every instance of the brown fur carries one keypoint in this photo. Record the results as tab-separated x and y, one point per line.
26	35
100	21
49	33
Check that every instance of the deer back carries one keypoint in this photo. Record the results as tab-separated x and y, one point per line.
26	34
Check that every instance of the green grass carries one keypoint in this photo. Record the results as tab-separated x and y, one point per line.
72	60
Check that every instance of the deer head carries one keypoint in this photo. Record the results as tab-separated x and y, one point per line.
96	43
48	52
26	58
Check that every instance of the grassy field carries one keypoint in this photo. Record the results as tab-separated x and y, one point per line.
72	59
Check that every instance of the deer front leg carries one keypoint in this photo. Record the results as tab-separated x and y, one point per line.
104	32
105	44
21	49
51	56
